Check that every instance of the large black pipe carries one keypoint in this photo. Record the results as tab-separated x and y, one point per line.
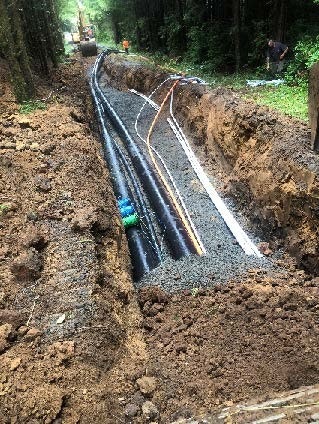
119	176
141	205
173	229
143	256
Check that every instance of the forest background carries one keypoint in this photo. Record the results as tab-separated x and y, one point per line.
213	36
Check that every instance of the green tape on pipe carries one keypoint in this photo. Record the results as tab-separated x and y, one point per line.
131	220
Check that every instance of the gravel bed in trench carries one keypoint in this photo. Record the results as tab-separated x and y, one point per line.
225	260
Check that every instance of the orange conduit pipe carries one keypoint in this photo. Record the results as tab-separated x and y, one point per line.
163	179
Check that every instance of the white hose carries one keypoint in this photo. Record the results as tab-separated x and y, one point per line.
244	241
156	107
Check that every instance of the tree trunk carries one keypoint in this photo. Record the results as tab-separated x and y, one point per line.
313	105
236	31
279	19
20	48
21	89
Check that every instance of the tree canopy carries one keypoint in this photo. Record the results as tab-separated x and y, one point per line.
218	35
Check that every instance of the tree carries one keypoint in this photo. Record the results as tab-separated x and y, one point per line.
14	50
221	35
30	40
236	32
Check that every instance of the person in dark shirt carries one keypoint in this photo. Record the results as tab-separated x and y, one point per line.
275	56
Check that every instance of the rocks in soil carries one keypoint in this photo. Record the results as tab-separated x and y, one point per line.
147	385
13	317
15	363
34	237
5	332
34	147
62	350
132	410
89	218
42	183
264	249
7	145
32	334
24	122
152	295
27	266
150	411
77	117
20	146
48	148
32	216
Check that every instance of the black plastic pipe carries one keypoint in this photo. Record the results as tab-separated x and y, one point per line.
140	203
146	219
143	256
174	230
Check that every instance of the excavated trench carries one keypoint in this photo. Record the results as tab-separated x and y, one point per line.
77	342
211	342
261	160
224	251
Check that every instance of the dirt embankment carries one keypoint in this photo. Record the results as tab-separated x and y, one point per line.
264	158
69	321
235	342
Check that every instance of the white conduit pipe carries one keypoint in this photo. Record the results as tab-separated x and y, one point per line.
147	100
242	238
156	107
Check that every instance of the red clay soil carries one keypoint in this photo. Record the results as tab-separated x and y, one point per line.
232	343
69	321
74	345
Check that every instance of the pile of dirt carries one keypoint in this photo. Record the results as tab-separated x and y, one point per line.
263	158
69	321
234	342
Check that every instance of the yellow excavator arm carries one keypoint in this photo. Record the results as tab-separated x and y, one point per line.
88	45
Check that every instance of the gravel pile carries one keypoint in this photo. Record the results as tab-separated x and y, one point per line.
225	260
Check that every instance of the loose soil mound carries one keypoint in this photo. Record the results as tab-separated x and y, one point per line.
68	319
232	343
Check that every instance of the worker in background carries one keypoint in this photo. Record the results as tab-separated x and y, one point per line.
125	45
275	56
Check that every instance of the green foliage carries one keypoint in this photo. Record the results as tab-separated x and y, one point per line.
4	208
96	12
256	52
68	10
31	106
172	34
306	54
196	45
206	47
291	100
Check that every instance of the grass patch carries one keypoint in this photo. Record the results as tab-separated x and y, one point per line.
292	101
4	208
30	106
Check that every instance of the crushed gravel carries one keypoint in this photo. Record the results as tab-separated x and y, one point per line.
225	260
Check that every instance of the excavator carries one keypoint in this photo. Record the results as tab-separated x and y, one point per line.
85	35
